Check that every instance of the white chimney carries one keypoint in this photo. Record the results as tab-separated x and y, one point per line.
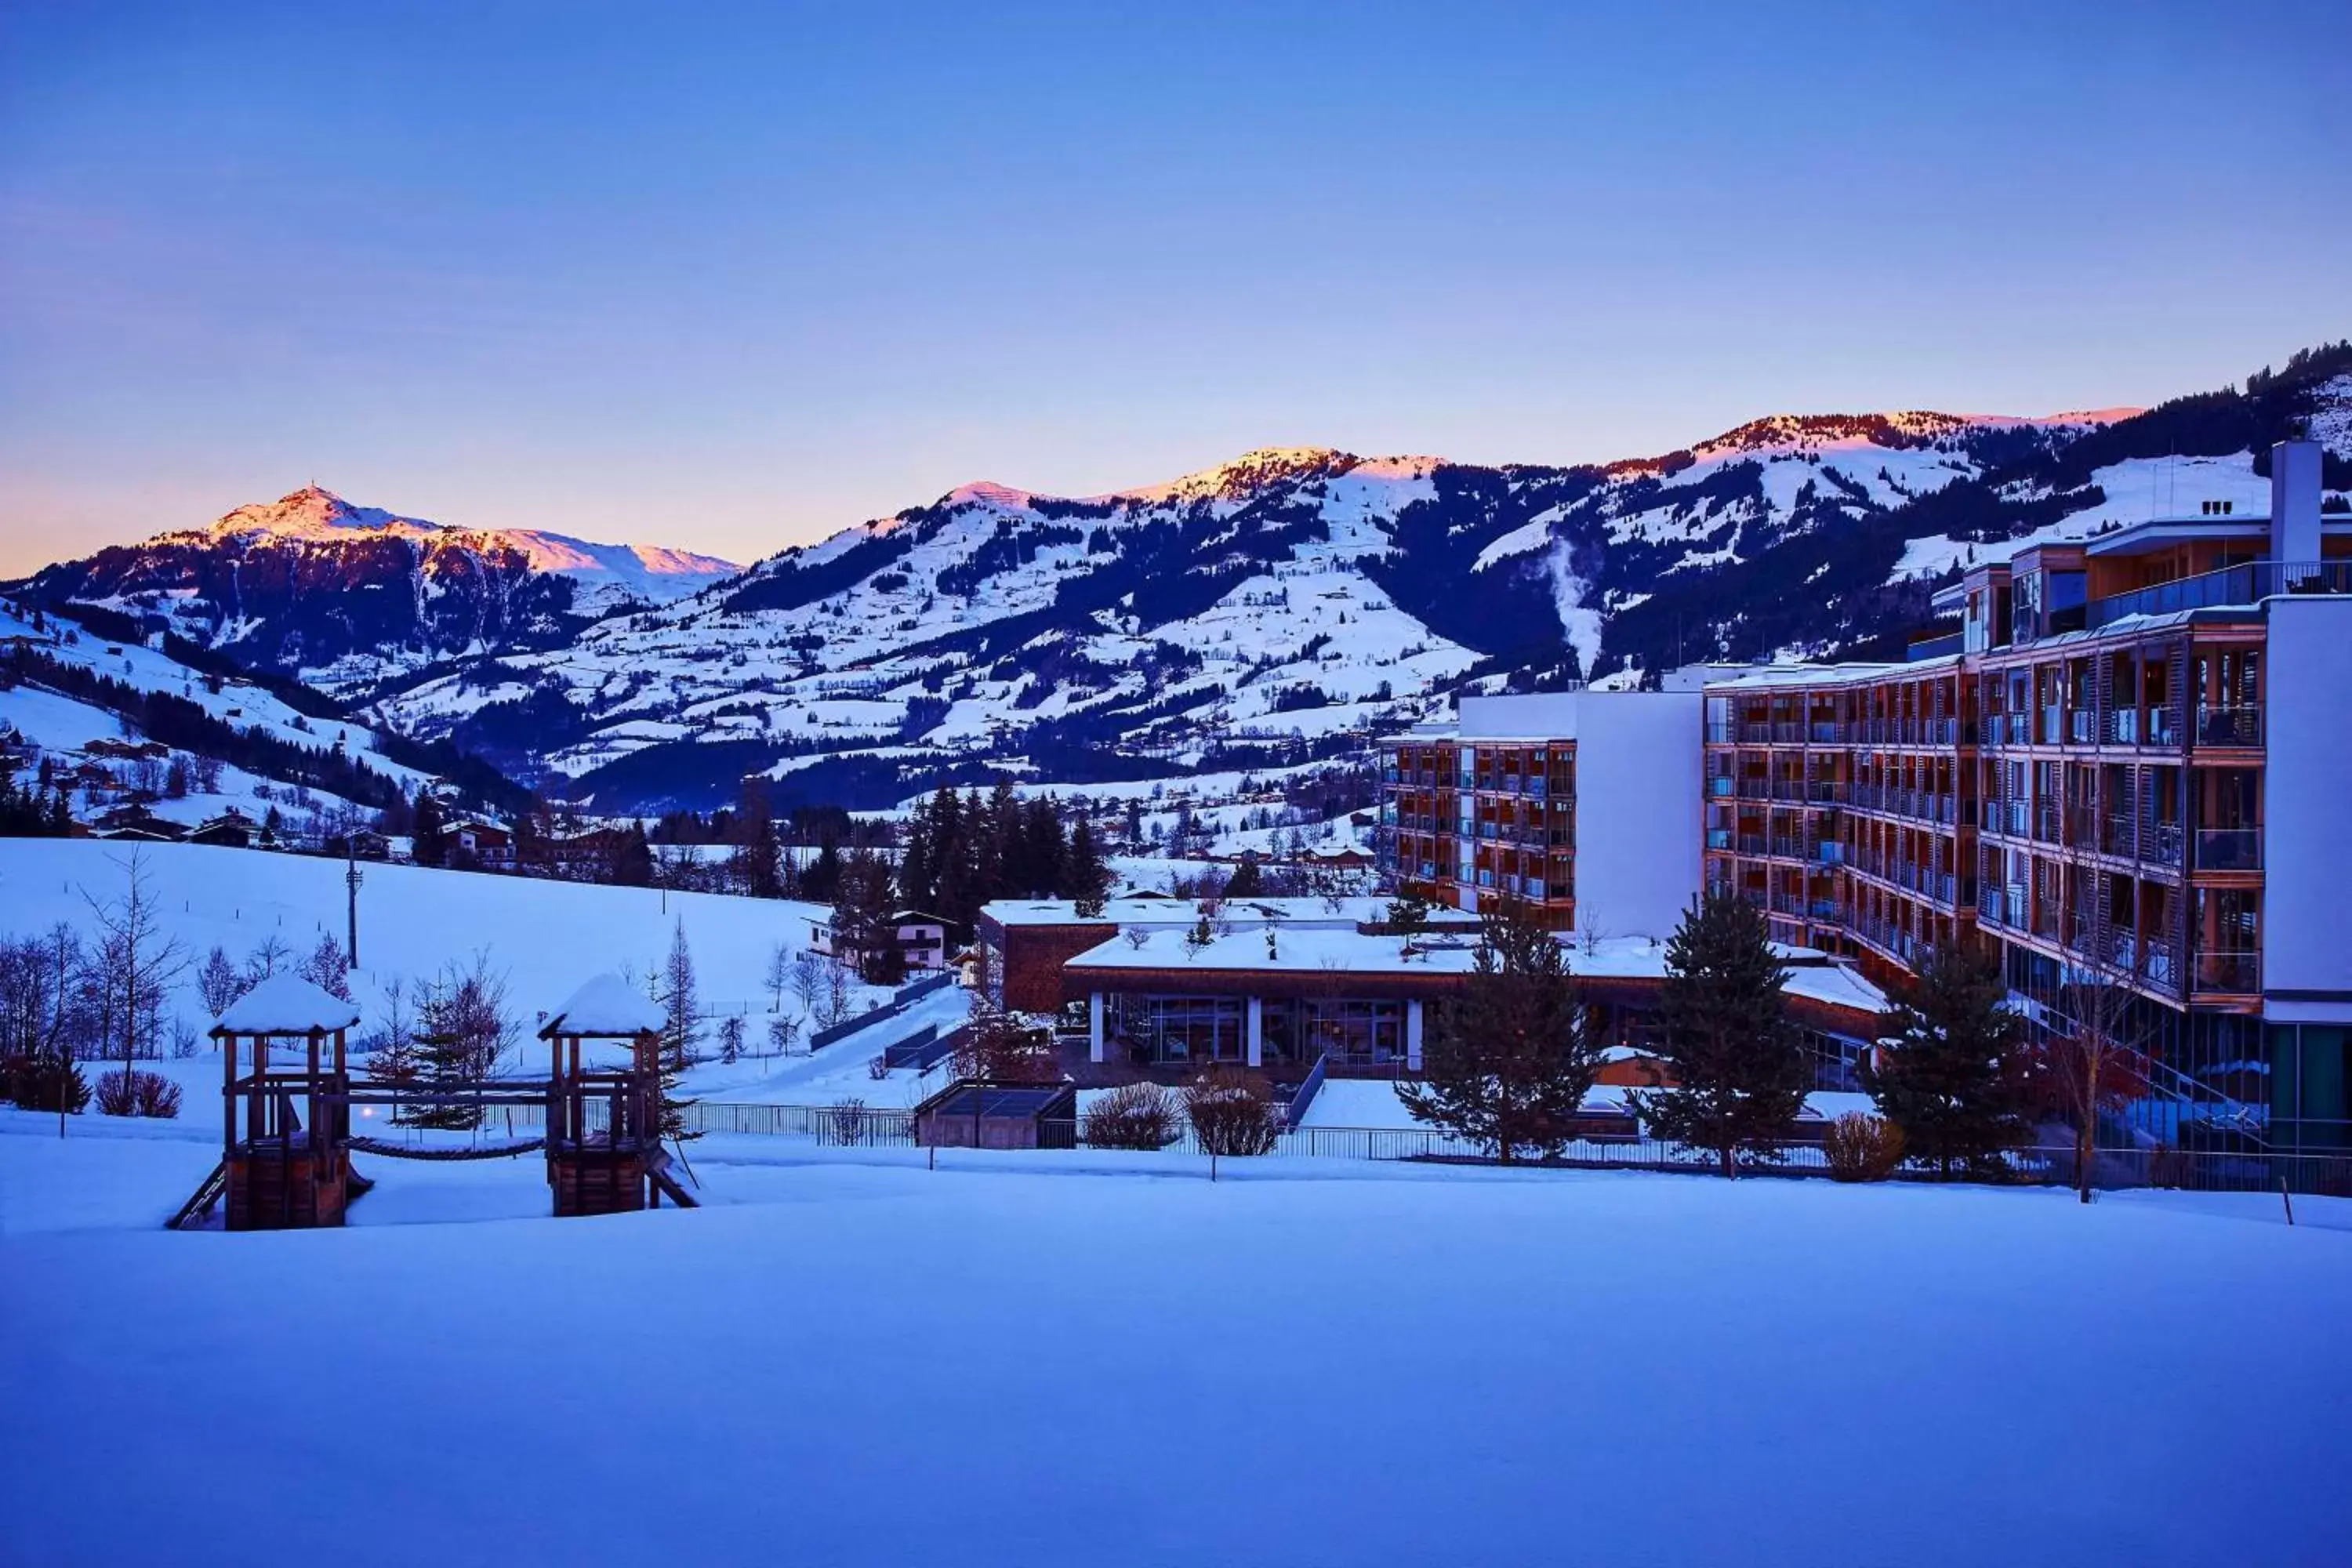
2294	501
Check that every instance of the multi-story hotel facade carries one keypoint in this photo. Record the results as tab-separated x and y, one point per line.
1573	804
2125	769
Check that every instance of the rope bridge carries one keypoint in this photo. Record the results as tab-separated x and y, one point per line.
455	1152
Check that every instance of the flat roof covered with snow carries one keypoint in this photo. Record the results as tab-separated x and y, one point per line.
1151	912
1324	952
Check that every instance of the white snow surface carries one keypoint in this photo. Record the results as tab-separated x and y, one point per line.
870	1363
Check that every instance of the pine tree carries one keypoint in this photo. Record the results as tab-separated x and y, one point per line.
1086	878
462	1031
1510	1064
1739	1070
681	997
1001	852
862	932
821	878
1408	917
918	856
1247	881
1952	1070
425	847
756	854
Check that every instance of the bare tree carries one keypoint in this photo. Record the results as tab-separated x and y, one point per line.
139	961
265	960
218	984
808	980
779	975
2094	1040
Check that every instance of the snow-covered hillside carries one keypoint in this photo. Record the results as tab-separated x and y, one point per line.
544	937
1282	605
56	683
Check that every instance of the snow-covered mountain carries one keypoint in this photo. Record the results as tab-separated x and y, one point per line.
1257	616
132	729
344	596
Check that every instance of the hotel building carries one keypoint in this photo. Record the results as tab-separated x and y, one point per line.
2125	766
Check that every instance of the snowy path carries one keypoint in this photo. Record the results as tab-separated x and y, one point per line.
870	1363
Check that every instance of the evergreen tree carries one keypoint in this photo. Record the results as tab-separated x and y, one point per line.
1247	881
1044	848
919	855
755	858
862	930
462	1031
1952	1069
1086	878
822	879
1511	1062
680	997
1001	848
629	858
1739	1069
425	846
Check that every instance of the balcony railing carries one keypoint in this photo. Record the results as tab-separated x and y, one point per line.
2228	849
2229	726
2233	974
2247	584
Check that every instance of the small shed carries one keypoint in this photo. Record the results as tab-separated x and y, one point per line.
980	1113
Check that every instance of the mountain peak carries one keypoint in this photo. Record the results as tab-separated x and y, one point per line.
1238	477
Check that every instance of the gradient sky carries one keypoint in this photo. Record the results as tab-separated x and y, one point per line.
730	277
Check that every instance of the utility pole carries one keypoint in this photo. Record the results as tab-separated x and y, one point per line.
352	885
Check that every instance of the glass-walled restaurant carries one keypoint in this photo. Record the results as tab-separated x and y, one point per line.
1159	1030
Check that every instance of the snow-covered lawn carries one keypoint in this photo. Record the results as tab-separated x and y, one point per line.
1318	1364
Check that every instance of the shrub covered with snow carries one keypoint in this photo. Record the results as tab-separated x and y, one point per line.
1862	1148
1233	1112
1132	1116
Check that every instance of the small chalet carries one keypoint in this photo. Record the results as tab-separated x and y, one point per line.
232	829
486	842
923	939
366	844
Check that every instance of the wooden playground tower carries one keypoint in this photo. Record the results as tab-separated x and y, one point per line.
285	1133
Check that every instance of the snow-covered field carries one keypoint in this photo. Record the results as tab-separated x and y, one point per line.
873	1363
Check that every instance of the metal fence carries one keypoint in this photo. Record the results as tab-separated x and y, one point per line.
852	1124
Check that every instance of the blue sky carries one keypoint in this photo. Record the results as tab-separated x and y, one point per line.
730	277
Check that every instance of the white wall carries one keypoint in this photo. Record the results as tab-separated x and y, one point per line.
2308	836
1530	716
1638	766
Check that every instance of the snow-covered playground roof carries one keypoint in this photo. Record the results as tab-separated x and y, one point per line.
608	1007
286	1005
